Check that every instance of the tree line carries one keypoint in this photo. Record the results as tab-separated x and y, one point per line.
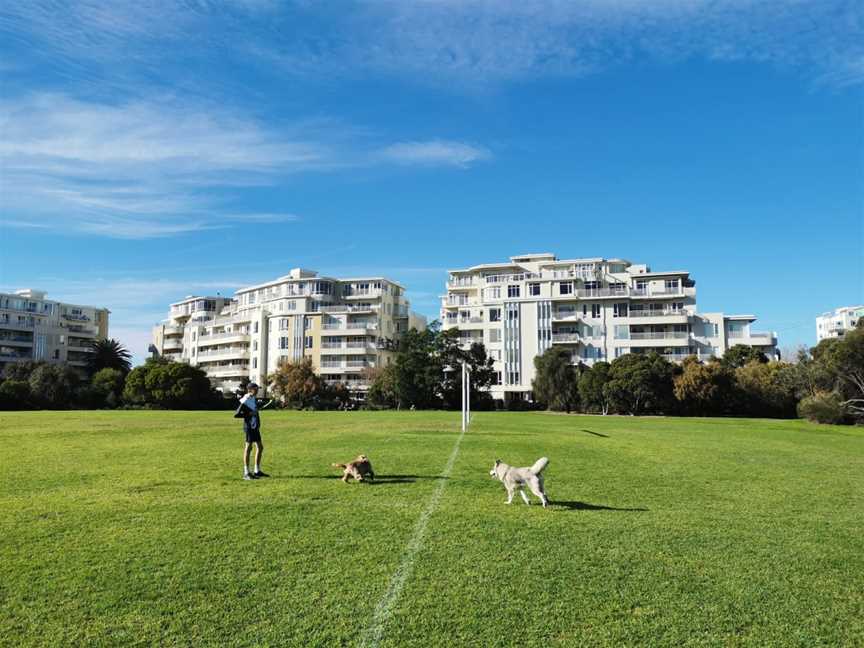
824	384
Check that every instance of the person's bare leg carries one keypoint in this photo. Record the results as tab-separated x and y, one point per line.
259	451
246	449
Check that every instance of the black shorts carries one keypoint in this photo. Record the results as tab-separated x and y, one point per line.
252	435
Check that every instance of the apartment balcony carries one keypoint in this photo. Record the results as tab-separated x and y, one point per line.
222	354
447	302
173	330
566	314
75	318
169	344
663	292
566	338
350	308
8	354
344	366
661	316
363	294
231	371
463	283
671	338
18	326
222	338
353	384
350	328
85	330
346	348
595	293
471	322
12	339
467	342
511	278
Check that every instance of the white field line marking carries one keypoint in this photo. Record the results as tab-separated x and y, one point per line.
384	609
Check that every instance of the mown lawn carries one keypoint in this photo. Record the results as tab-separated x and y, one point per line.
134	528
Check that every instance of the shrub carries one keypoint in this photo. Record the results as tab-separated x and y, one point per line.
823	407
15	395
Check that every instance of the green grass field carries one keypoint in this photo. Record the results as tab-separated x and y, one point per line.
134	528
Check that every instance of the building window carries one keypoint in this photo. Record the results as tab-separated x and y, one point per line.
254	363
622	332
534	289
308	341
255	345
283	343
565	288
255	327
671	284
493	293
619	310
494	335
494	314
513	291
595	310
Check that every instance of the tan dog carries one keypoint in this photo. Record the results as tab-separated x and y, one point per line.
359	469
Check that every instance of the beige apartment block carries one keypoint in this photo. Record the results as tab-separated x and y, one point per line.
347	327
836	323
597	309
33	327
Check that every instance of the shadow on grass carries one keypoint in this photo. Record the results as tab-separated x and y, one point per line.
585	506
379	479
605	436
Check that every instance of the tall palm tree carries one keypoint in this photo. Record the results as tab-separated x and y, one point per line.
109	354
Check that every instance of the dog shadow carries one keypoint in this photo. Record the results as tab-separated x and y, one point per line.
605	436
378	480
585	506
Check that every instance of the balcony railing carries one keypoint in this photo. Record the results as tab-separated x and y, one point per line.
656	313
349	308
671	335
566	337
204	339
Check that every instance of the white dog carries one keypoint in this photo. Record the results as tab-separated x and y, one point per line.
518	478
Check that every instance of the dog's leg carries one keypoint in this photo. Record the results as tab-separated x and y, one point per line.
509	495
524	496
537	489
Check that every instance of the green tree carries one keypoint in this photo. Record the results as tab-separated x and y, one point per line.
20	370
15	395
705	389
641	383
592	388
556	382
109	354
450	355
741	354
382	388
765	391
108	385
295	384
170	385
843	360
419	369
53	386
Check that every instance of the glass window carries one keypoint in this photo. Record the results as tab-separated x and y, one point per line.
534	289
565	288
513	291
494	314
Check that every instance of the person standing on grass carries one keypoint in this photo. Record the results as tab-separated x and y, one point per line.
249	410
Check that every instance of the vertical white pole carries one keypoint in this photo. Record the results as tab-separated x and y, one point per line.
464	418
468	393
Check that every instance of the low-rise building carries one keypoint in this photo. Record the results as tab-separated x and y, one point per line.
598	309
347	327
834	324
33	327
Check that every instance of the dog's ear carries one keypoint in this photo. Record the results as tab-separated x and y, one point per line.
497	461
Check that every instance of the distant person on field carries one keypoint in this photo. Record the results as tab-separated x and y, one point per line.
248	410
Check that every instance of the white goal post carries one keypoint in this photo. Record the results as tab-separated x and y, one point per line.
466	396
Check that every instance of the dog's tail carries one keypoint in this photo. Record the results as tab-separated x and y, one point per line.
343	466
540	465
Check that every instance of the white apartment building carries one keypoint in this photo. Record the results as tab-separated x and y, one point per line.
33	327
598	309
346	327
834	324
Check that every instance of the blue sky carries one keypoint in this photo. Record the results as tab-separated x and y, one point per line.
151	150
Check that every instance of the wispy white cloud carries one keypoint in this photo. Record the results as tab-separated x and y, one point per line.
435	152
148	169
470	40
